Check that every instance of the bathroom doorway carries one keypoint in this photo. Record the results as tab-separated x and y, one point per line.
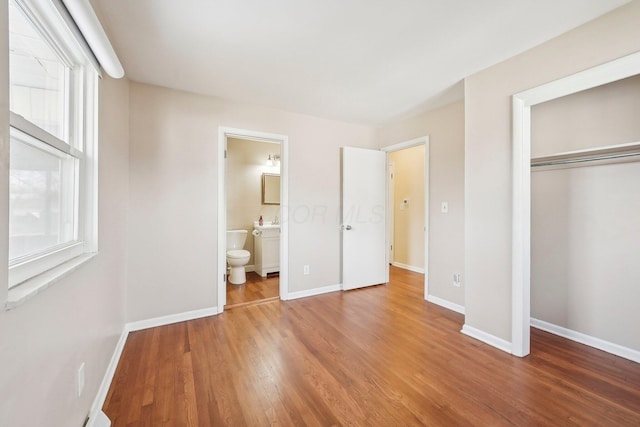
254	175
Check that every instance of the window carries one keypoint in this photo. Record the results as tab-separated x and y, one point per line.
53	96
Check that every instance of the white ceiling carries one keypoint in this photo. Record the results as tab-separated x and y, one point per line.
363	61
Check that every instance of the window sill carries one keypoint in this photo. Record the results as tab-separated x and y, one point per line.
32	287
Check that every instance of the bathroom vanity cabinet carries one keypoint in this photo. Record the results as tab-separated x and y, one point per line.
267	249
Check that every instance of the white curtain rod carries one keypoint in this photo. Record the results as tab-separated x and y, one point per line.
92	31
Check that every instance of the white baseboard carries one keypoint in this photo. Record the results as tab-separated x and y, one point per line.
313	292
408	267
585	339
96	417
98	420
446	304
486	338
172	318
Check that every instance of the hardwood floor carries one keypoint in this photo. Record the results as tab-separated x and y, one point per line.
256	289
379	356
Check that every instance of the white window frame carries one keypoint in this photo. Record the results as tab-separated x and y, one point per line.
81	143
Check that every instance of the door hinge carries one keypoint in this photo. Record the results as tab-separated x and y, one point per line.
224	277
225	154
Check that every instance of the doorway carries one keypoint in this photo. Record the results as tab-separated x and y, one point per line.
408	206
253	184
253	210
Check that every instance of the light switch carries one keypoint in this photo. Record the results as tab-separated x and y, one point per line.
444	207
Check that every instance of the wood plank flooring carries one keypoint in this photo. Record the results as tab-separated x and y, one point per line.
255	289
379	356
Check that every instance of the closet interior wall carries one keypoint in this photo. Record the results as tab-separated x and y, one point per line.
585	227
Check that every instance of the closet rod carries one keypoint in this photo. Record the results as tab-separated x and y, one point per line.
539	163
611	152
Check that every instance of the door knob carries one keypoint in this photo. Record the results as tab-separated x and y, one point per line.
345	227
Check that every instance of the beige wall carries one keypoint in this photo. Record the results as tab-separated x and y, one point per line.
246	162
585	233
408	219
488	153
173	196
445	128
606	115
79	318
585	241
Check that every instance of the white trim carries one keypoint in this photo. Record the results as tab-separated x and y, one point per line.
406	144
486	338
423	140
30	267
98	419
446	304
521	229
283	275
172	318
600	344
101	395
314	292
408	267
28	130
18	295
609	72
222	220
283	140
390	212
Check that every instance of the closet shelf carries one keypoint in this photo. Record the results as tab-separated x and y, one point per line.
602	155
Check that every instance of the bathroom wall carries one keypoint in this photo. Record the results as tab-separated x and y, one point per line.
585	233
408	219
445	128
173	195
488	153
246	162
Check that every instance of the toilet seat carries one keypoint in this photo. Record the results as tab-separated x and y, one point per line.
238	253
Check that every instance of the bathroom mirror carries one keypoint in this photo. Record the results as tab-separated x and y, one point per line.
270	189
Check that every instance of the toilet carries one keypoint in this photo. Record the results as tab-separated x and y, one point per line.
237	257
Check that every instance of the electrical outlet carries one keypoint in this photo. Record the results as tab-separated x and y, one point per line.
80	379
306	270
457	280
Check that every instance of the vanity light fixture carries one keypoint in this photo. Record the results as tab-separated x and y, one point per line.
273	160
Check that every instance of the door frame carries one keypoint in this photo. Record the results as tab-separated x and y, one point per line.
223	134
522	102
423	140
390	208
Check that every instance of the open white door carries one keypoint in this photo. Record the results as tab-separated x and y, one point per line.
364	247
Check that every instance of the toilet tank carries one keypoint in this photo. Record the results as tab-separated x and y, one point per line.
236	239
